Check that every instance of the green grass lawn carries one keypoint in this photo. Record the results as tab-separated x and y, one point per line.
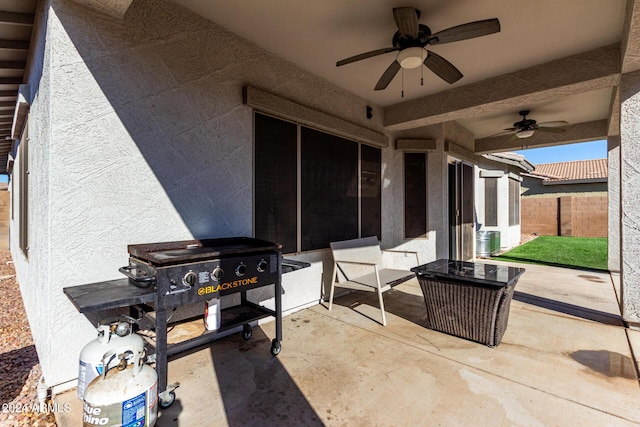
578	252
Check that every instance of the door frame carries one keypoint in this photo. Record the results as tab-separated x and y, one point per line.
461	208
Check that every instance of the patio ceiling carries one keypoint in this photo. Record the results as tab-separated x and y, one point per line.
16	24
315	35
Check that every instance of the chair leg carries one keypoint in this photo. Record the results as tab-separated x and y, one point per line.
331	295
333	282
384	319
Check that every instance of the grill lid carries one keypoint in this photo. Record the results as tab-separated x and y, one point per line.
167	253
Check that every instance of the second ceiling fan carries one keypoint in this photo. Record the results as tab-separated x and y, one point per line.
411	40
526	127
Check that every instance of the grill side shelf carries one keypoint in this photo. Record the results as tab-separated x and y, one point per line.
106	295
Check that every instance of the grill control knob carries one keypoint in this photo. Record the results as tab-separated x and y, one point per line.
262	266
217	273
190	279
241	270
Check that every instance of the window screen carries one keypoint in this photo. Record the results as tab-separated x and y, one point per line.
490	201
276	181
329	186
514	202
309	176
370	184
415	195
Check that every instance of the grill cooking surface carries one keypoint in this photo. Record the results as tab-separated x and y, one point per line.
168	253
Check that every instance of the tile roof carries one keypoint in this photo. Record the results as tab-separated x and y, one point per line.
573	171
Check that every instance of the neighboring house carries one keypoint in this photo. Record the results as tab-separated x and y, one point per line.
498	196
566	199
141	121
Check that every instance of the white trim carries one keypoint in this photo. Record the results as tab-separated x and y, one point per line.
266	102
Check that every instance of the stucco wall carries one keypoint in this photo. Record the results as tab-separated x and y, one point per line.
139	134
533	187
509	234
613	173
34	274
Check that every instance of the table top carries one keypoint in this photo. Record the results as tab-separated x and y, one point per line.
470	272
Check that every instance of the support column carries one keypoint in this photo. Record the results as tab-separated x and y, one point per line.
613	201
629	196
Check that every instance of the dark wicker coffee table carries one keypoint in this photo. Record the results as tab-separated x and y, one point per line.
470	300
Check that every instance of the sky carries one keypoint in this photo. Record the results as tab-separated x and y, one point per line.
563	153
566	153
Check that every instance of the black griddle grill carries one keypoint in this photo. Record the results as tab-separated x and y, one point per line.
168	275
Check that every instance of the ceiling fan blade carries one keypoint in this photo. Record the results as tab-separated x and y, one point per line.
553	130
466	31
388	75
365	55
552	124
504	132
407	21
442	68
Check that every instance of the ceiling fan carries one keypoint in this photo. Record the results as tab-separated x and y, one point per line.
411	40
526	127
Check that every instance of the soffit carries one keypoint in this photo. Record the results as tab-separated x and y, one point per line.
315	35
16	25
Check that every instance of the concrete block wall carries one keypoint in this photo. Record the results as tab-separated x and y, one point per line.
565	207
539	215
579	216
590	217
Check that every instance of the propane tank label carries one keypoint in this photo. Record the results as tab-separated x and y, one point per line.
86	373
130	413
100	415
134	410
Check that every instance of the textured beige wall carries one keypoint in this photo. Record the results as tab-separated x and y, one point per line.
533	187
613	165
629	195
114	8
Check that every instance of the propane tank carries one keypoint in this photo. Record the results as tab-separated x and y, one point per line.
126	395
110	337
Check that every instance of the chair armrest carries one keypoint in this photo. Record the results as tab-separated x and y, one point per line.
356	262
404	252
369	264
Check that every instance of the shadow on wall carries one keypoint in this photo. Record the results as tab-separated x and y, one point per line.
174	82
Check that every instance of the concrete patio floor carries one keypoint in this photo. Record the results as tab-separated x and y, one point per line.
565	360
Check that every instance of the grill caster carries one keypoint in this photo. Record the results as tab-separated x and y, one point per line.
167	397
275	347
246	332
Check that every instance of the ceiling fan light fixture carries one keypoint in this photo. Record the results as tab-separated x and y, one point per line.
525	133
411	57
